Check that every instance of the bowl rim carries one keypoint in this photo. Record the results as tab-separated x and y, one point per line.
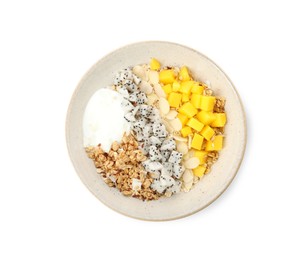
92	68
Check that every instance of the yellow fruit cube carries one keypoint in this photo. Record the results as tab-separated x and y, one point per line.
207	103
167	76
206	117
197	141
183	118
185	97
184	74
220	120
201	155
185	131
216	144
196	89
195	124
167	88
186	87
207	132
154	64
196	100
199	171
188	109
174	99
176	86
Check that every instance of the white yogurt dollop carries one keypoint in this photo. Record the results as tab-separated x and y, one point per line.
103	120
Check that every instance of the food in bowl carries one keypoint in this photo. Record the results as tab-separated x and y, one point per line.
155	131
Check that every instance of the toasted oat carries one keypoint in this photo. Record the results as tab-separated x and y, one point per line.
121	165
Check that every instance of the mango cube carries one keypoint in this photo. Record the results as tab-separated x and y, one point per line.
199	171
188	109
197	141
196	100
185	131
167	76
216	144
195	124
186	87
176	86
207	103
174	99
201	155
184	74
185	97
220	120
207	132
206	117
154	64
167	88
183	119
196	89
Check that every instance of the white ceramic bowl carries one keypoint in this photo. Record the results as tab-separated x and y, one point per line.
223	171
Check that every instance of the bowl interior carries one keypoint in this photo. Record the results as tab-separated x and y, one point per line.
223	171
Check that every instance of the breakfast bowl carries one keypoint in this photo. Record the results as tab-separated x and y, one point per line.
205	191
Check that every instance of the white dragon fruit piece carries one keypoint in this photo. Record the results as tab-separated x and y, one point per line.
137	80
154	153
168	144
168	167
154	115
153	139
141	122
157	186
145	110
159	130
141	98
129	117
152	166
132	97
165	155
166	180
175	188
175	157
178	170
123	91
131	86
148	131
127	106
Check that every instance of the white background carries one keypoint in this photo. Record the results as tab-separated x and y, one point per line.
45	48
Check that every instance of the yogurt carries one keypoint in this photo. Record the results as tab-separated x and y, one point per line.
103	120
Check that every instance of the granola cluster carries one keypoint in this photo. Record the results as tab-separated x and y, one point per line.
121	168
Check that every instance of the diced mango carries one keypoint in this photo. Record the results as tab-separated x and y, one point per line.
185	131
216	144
197	141
207	103
199	171
176	86
201	155
188	109
167	76
196	89
206	117
220	120
185	97
167	88
183	118
184	74
196	100
195	124
154	64
174	99
186	87
207	132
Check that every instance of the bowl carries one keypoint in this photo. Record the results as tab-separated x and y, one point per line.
223	171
